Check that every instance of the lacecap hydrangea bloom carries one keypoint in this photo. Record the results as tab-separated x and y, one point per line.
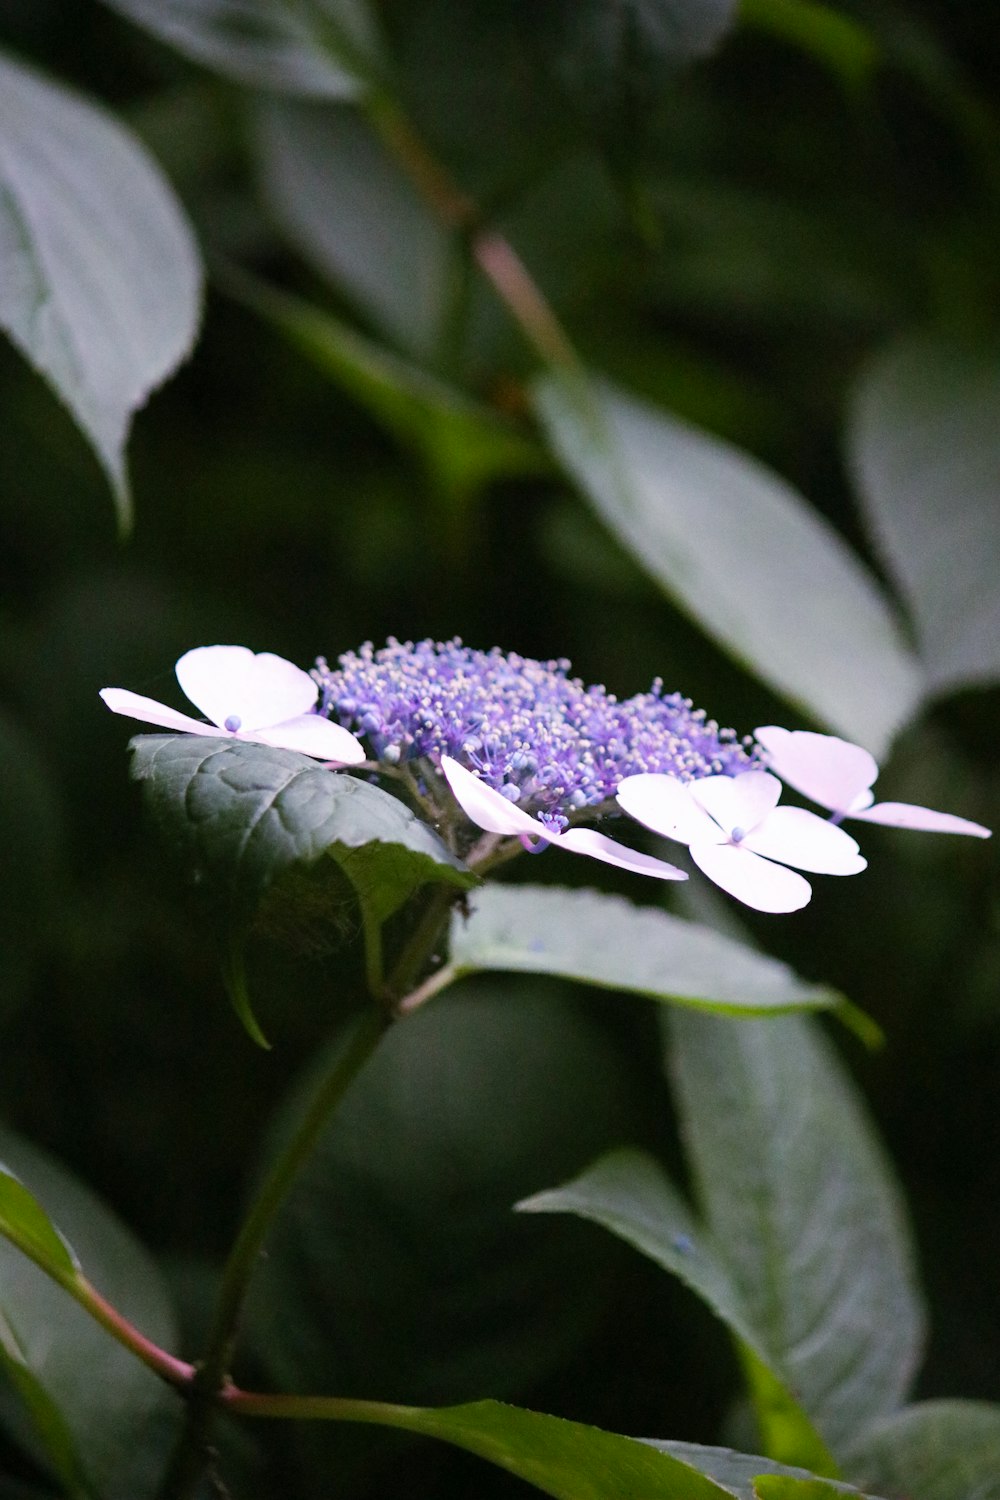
525	748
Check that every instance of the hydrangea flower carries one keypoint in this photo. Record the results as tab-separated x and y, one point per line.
740	838
525	749
839	776
262	698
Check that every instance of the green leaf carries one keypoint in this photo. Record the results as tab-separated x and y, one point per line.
742	553
246	821
830	36
796	1192
565	1459
349	207
290	48
47	1421
740	1473
25	1223
101	290
240	815
924	443
936	1450
628	1193
606	941
397	1269
461	443
777	1487
120	1416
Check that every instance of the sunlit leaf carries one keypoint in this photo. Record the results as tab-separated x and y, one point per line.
606	941
742	553
25	1223
101	286
925	447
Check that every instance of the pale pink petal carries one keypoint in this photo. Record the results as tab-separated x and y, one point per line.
589	841
906	815
311	734
754	881
134	706
230	682
830	771
800	838
664	804
486	807
737	801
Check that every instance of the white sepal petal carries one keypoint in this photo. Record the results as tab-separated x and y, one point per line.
924	819
597	846
754	881
797	837
487	808
829	770
737	801
230	682
135	706
665	805
311	734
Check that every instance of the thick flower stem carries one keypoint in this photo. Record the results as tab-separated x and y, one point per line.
190	1456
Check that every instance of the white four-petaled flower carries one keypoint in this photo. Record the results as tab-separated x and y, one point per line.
839	776
262	698
492	812
739	837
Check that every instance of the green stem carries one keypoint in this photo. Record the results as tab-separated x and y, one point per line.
190	1455
317	1408
423	939
492	253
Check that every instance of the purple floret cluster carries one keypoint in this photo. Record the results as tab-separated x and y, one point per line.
527	728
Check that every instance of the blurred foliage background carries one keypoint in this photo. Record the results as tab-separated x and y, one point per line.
735	240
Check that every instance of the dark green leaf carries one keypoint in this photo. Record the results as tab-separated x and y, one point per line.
925	447
606	941
397	1268
291	48
742	553
936	1450
628	1193
564	1459
47	1422
101	289
240	815
798	1196
120	1415
841	41
462	444
351	209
